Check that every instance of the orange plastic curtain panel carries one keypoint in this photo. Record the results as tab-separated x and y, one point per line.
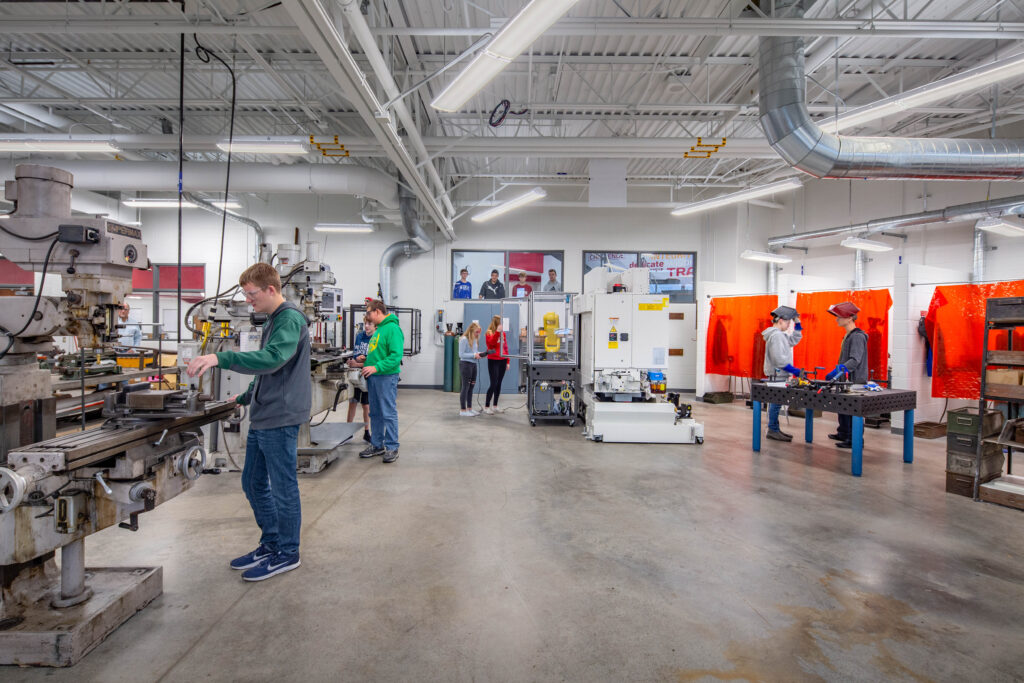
735	346
955	325
823	338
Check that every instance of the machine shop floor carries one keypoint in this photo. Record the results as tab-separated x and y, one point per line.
496	551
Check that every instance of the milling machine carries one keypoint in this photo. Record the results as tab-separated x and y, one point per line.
624	334
56	490
307	283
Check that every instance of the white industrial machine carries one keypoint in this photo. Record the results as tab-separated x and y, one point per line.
56	490
624	334
307	283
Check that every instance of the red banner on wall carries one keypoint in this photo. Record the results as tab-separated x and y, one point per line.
735	346
955	325
823	338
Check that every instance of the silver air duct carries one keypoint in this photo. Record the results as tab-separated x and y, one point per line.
860	260
419	242
807	147
210	208
992	208
978	262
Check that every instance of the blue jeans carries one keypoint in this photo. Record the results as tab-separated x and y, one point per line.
270	484
773	417
384	411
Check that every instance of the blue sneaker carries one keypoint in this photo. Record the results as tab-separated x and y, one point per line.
278	563
252	559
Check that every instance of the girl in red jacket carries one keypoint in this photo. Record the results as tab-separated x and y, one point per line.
497	363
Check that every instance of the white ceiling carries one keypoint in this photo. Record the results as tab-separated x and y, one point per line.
638	79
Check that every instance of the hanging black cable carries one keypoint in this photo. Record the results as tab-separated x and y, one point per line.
204	56
501	110
181	170
39	295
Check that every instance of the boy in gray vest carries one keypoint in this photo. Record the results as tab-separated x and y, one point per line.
279	400
778	359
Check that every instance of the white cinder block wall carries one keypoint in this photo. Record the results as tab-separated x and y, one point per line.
718	238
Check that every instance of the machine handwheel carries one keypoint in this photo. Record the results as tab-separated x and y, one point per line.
193	462
12	489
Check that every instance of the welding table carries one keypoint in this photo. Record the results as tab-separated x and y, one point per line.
859	404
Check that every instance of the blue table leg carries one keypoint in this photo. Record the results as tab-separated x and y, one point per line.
858	445
908	436
757	427
808	425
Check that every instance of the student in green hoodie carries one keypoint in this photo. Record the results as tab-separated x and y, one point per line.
279	401
381	367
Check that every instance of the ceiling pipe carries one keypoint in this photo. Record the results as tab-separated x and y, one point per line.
357	23
804	145
992	208
210	208
978	256
162	176
419	242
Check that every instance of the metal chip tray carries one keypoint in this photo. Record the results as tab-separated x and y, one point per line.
81	449
853	403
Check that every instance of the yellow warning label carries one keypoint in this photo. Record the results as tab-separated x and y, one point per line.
613	345
654	307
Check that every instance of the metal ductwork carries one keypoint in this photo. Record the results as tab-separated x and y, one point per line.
162	176
978	260
992	208
419	242
807	147
210	208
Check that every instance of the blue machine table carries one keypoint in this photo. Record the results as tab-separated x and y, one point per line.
858	403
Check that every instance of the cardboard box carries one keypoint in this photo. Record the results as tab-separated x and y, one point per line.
1002	376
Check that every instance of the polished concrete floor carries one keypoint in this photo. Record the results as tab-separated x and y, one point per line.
493	551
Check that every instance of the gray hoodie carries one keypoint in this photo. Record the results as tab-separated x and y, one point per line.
778	349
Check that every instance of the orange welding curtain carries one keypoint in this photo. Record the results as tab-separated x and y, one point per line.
735	346
955	325
823	338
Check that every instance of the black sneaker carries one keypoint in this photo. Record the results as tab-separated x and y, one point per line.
778	436
844	444
371	451
366	437
390	456
838	437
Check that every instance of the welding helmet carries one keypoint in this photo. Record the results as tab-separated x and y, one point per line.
846	309
784	313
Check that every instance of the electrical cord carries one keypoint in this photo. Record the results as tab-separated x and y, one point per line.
27	239
501	110
11	336
204	56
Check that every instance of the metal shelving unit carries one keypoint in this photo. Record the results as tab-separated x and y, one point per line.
1002	314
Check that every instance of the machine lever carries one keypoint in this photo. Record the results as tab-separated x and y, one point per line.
106	489
160	441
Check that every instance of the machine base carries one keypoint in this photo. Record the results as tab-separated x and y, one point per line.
327	440
640	423
46	636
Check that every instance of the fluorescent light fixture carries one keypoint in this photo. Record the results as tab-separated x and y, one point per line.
263	146
4	216
515	36
1000	226
865	244
58	146
229	204
736	197
522	200
965	81
156	203
765	256
343	227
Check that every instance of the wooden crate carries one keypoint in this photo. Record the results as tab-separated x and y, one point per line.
1007	490
929	430
718	397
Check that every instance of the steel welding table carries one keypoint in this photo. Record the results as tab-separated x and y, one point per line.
859	404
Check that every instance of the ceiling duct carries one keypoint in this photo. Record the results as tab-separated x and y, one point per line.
419	242
162	176
806	146
992	208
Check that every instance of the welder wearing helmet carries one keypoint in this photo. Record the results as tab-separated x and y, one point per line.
853	363
778	359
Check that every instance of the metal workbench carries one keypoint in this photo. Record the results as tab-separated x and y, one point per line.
859	404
